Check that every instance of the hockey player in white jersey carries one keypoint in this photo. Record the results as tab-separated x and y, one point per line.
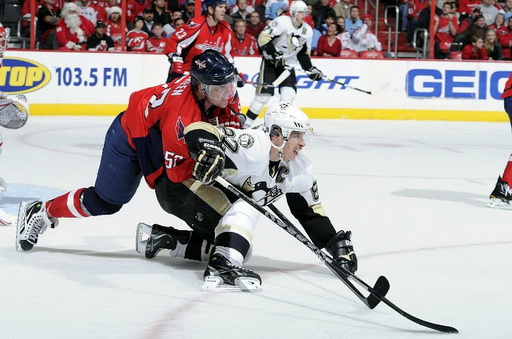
13	115
266	163
286	43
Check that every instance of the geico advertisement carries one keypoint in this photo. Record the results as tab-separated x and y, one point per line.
80	78
88	78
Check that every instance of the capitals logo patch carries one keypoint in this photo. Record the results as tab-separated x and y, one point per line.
179	129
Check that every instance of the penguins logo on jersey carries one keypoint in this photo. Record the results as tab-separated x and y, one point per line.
295	42
261	192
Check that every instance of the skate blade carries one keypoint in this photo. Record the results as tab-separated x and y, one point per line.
143	233
21	212
499	204
242	284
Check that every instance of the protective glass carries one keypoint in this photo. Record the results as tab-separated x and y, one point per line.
220	92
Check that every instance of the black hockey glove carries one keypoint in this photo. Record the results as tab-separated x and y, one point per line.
278	59
239	79
341	249
315	74
210	160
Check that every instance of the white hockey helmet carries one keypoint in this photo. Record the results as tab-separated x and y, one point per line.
298	6
286	118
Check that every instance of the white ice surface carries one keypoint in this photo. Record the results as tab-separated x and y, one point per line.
413	194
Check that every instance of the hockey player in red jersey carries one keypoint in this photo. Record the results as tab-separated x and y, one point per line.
501	196
150	139
209	31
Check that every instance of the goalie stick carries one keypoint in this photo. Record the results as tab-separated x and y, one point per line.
376	293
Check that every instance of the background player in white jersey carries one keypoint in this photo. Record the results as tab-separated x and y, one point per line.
286	42
265	163
13	114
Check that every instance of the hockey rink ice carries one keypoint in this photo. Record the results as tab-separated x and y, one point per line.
413	193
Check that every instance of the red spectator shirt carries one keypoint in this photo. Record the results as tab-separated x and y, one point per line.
137	41
154	123
467	6
245	46
157	45
443	35
324	47
115	31
195	37
469	54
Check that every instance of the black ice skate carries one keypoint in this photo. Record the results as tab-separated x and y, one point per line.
223	276
501	197
32	221
152	239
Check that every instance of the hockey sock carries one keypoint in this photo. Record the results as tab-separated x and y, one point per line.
67	205
197	248
507	174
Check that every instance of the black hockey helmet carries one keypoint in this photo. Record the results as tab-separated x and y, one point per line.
212	68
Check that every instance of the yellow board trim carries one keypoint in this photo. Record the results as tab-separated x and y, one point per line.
314	113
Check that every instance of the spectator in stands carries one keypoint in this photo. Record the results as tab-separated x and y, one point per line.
275	8
475	50
445	28
403	9
328	44
342	9
454	9
99	41
362	39
137	39
320	11
157	40
48	16
466	7
492	46
506	9
415	8
170	28
91	13
465	23
499	22
188	10
114	29
505	39
161	14
134	8
148	14
309	17
261	8
477	28
340	21
489	11
241	11
328	19
73	30
353	22
243	44
255	26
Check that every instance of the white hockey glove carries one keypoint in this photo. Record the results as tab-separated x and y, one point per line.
13	111
315	74
341	249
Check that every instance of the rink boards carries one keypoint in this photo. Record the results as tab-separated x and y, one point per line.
91	83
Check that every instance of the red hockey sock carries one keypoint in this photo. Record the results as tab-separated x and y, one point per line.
507	174
67	205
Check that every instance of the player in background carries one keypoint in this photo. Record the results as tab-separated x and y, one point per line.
13	114
501	196
150	139
209	31
266	163
286	42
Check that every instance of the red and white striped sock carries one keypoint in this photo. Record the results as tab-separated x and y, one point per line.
67	205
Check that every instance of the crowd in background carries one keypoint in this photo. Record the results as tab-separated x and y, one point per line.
467	29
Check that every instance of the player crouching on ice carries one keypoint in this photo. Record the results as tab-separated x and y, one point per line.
13	115
265	163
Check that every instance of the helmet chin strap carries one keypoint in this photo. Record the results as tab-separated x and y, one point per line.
279	149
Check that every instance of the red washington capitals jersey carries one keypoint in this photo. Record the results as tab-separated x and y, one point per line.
196	37
154	123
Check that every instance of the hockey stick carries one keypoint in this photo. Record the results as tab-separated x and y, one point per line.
382	284
337	82
339	271
274	84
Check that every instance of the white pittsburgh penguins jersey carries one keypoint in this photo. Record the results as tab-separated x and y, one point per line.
288	39
248	150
